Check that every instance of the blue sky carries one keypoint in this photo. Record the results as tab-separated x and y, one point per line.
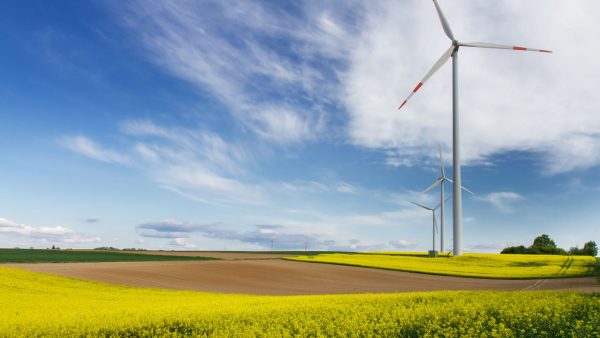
225	125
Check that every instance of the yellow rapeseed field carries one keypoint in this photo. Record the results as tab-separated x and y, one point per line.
34	304
402	253
468	265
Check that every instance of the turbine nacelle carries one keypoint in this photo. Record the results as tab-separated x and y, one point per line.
443	178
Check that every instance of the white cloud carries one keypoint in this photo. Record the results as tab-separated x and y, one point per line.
346	188
543	103
502	200
12	227
58	234
574	152
180	242
402	244
282	125
263	235
87	147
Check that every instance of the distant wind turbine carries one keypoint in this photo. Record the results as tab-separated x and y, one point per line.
434	225
440	181
453	52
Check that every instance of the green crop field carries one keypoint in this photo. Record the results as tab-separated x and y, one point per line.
34	304
72	256
468	265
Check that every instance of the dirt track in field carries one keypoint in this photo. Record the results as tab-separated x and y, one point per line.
280	277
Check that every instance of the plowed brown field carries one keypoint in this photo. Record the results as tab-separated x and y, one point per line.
280	277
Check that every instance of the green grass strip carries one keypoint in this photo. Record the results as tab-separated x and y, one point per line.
77	256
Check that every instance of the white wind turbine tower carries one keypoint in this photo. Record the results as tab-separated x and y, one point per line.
440	181
453	52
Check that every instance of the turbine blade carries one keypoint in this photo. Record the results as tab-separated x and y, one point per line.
497	46
422	206
446	200
442	162
444	22
438	181
434	69
467	190
462	187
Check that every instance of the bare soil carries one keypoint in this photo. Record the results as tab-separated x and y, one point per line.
281	277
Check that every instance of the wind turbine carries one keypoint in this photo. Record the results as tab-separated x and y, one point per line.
453	52
440	181
434	225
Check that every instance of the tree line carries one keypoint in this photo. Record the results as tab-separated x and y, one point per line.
544	245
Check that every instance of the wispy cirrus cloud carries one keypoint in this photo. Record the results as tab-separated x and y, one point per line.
193	162
502	200
265	63
198	164
85	146
317	187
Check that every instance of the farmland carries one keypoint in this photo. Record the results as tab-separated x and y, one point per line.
469	265
73	256
57	306
285	277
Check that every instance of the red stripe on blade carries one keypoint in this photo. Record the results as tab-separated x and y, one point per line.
417	87
519	48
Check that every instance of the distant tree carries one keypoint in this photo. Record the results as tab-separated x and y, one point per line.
515	250
543	241
542	245
110	248
574	250
590	248
545	245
